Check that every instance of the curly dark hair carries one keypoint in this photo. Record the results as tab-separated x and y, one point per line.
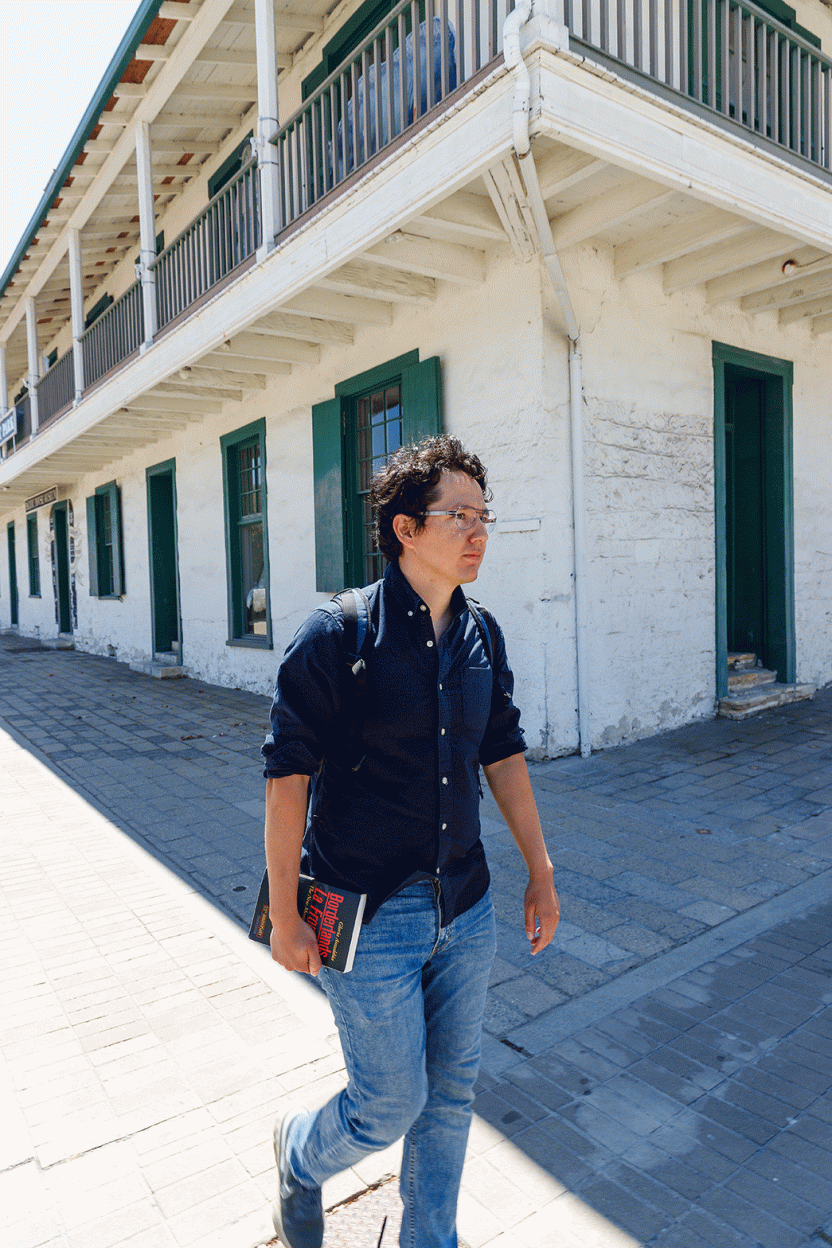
409	482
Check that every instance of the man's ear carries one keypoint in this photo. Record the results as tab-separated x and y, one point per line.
403	528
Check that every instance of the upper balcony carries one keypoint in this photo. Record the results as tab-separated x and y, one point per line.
361	98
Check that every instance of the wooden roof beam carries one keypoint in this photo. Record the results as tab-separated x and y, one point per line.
430	258
351	309
210	376
266	347
374	281
680	238
757	277
307	328
594	216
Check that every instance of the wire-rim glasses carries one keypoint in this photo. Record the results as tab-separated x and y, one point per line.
466	517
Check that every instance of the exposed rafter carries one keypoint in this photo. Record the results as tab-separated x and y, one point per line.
351	309
372	280
680	238
608	210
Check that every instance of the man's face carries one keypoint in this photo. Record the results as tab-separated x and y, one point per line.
440	551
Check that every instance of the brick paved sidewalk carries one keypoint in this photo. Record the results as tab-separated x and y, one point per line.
654	843
645	1098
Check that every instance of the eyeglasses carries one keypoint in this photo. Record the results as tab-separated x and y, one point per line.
466	517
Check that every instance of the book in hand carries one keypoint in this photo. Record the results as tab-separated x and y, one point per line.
334	914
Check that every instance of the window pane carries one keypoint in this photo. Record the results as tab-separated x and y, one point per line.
106	567
250	481
252	578
378	433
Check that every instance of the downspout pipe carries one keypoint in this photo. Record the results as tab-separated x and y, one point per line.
523	149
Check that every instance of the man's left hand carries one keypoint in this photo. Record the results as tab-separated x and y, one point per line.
542	912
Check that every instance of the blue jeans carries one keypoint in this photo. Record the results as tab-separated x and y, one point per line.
409	1015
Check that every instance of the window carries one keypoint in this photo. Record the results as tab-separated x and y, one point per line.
229	168
246	537
348	37
97	309
34	559
371	415
106	553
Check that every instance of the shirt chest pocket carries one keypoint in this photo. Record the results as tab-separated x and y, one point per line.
476	701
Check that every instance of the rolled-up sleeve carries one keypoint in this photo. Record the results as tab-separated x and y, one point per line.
503	736
307	698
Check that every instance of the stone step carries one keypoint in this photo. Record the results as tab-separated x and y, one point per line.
738	661
161	671
743	703
750	677
64	641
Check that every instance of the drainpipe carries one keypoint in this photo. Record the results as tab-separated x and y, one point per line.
522	146
267	123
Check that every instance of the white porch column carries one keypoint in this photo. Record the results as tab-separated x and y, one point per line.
4	381
34	360
147	230
267	121
76	296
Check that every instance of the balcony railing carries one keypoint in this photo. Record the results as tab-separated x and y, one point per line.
728	56
116	334
225	234
726	59
413	60
56	389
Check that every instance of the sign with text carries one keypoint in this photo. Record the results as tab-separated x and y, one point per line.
40	500
8	427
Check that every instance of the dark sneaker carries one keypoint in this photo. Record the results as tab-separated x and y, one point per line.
297	1213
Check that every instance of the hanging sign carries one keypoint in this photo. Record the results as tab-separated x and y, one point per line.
40	500
8	427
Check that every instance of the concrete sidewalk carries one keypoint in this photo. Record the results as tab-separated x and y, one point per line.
642	1083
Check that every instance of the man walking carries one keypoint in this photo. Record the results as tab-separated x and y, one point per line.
403	827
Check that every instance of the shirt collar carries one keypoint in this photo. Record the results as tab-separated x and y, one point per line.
405	595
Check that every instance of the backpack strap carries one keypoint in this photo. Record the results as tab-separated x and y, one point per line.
487	628
358	641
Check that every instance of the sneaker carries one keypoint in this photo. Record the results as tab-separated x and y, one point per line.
297	1213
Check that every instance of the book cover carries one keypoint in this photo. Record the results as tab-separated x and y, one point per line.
334	914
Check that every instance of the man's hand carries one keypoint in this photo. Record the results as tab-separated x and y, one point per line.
509	781
294	945
542	912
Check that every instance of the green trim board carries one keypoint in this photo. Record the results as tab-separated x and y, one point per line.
246	528
340	523
163	559
736	373
348	37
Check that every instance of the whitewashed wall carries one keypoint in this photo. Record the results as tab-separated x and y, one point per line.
648	418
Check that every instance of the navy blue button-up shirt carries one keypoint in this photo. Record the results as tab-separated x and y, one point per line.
434	713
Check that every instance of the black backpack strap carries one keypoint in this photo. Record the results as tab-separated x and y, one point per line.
487	626
358	642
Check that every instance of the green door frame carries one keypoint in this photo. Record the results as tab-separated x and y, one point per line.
63	586
777	376
14	618
167	467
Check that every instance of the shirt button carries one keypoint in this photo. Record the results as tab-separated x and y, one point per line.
444	779
423	607
410	613
442	730
430	643
444	826
440	686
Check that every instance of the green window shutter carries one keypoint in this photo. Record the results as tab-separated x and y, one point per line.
422	401
92	545
329	496
118	540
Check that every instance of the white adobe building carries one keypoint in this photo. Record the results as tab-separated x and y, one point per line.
593	240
